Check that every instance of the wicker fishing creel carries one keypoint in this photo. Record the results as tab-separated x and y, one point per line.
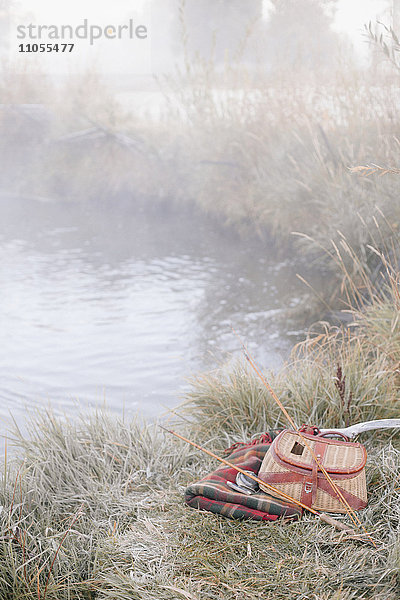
296	462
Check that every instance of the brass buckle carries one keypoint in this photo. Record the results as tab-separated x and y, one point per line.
308	487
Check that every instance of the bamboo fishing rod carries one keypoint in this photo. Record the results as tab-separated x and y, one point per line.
351	513
323	516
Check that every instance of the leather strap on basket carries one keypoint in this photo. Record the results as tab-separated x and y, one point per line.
310	487
309	483
310	430
331	434
353	500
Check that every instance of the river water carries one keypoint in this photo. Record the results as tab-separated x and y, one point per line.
122	306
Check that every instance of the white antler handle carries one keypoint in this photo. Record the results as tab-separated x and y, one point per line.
354	430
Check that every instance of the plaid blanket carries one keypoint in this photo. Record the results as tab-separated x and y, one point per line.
213	494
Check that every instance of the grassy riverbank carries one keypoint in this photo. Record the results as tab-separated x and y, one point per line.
93	509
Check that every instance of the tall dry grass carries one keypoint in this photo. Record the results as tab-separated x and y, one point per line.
273	155
265	154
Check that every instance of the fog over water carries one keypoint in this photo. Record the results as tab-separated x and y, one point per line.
124	307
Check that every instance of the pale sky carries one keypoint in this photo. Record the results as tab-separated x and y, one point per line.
353	14
49	10
110	55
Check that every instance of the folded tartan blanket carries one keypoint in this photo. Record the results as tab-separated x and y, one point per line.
213	494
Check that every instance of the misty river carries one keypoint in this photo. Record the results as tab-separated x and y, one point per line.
120	307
